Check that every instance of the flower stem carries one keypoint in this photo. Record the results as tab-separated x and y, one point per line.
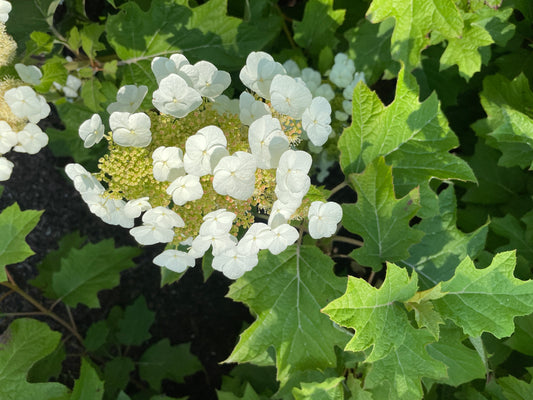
348	240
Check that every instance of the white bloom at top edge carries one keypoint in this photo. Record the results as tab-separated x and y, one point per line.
323	218
292	68
259	71
316	121
348	90
25	103
267	141
174	97
174	260
134	208
8	138
235	175
6	168
251	109
325	90
130	129
224	105
342	71
91	131
129	99
203	150
259	236
234	262
289	96
185	188
29	73
211	82
31	139
83	180
312	79
217	222
167	163
5	9
164	217
283	236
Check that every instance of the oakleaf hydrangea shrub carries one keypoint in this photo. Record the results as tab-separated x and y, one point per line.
198	168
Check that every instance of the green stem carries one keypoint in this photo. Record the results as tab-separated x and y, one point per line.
348	240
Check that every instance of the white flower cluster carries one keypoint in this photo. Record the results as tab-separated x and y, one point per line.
180	91
30	108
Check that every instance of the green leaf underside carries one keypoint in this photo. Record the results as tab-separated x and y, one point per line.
286	292
486	300
415	19
413	136
379	218
443	246
202	32
86	271
14	226
23	343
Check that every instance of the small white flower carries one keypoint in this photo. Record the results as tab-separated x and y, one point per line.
91	131
174	260
217	222
163	216
211	82
203	150
6	168
267	141
99	205
325	90
83	180
29	73
312	79
292	68
342	71
281	212
323	219
347	107
259	71
177	64
129	99
316	121
259	236
219	243
25	103
341	116
119	216
71	87
134	208
8	138
224	105
31	139
292	181
185	188
148	234
174	97
251	109
167	163
289	96
348	90
283	236
5	9
130	129
234	262
235	175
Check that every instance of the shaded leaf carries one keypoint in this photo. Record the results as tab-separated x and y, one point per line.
133	328
88	386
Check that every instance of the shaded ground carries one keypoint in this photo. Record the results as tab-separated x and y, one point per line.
189	311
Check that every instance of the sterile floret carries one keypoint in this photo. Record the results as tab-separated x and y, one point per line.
204	150
31	139
130	129
6	168
174	260
29	73
185	188
5	9
267	141
83	180
134	208
91	131
174	97
289	96
234	262
129	99
8	138
211	82
235	175
316	121
323	219
167	163
25	103
251	109
259	71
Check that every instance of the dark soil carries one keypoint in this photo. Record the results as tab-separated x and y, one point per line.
187	311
